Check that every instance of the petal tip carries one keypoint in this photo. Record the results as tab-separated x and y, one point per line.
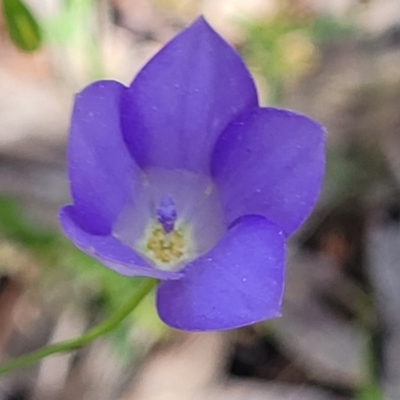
202	23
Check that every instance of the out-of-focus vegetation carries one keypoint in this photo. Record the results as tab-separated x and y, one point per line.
100	288
74	27
23	28
285	46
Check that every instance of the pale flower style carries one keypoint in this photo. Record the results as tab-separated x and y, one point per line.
183	177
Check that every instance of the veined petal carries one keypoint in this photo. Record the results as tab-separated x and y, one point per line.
183	98
270	162
239	282
108	250
101	170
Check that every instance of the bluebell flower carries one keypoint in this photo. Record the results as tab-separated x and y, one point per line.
183	177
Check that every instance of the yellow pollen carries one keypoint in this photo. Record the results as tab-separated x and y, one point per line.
166	247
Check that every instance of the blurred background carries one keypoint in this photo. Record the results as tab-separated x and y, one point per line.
339	338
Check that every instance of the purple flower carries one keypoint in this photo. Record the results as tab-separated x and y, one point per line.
183	177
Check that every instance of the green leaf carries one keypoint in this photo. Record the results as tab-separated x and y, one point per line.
22	26
15	227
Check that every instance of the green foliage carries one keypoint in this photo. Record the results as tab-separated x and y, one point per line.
23	28
75	28
285	47
72	23
326	28
370	392
16	228
370	389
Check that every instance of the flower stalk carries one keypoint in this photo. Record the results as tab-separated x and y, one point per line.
101	329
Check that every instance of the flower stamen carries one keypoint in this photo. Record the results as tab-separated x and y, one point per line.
167	242
166	247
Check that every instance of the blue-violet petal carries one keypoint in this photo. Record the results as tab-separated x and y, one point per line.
238	282
270	162
101	171
183	98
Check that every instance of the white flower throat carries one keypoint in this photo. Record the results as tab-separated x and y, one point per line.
176	216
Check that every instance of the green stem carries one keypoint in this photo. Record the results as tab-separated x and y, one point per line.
103	328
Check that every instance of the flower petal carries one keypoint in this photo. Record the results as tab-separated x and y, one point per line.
237	283
270	162
101	170
108	250
183	98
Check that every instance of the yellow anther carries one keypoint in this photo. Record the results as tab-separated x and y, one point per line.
165	247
